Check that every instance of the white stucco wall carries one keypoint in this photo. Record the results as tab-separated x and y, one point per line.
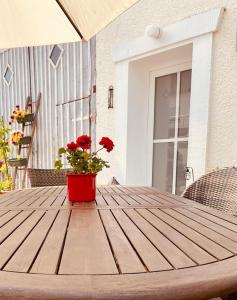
222	132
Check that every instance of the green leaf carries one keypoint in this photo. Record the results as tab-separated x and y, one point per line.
58	164
61	151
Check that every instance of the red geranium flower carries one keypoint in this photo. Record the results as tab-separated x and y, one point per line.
107	143
72	146
84	142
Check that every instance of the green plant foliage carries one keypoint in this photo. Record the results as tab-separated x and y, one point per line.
82	162
5	178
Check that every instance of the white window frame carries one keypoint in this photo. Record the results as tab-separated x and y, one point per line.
151	111
60	56
8	67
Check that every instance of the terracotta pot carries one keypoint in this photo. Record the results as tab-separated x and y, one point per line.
81	187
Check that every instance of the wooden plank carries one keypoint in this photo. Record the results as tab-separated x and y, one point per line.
203	242
170	199
16	198
11	244
3	212
217	213
116	189
217	220
24	256
151	257
197	254
150	200
140	200
126	257
110	201
109	190
52	246
209	233
176	257
8	195
216	227
87	250
49	200
102	190
120	200
35	194
129	200
100	200
9	227
7	217
56	202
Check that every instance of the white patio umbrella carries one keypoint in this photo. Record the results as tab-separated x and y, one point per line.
41	22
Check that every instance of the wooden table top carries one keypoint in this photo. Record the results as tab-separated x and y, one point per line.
132	243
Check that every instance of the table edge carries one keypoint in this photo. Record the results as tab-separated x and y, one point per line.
222	279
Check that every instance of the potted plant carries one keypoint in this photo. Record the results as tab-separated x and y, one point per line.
5	177
81	181
21	115
18	138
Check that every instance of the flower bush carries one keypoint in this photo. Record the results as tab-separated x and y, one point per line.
19	114
80	157
16	137
5	178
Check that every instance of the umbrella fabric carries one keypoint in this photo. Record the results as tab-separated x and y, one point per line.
42	22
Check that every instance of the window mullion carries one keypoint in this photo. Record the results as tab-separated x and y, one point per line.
176	133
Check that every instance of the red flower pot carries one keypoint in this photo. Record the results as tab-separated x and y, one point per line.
81	187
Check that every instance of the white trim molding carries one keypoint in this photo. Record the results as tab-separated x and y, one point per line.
180	31
132	62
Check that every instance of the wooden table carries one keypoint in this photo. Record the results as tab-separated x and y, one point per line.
132	243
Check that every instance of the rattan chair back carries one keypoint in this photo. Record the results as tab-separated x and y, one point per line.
217	189
46	177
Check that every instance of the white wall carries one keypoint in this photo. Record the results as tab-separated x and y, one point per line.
72	79
222	134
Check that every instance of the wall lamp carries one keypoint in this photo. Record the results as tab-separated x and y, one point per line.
111	97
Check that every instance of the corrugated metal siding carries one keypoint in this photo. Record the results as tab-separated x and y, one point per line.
70	80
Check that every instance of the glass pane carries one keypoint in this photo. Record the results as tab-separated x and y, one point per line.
8	75
182	152
184	103
55	54
165	103
163	156
86	126
86	107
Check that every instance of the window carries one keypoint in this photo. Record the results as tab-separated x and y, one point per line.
7	76
55	55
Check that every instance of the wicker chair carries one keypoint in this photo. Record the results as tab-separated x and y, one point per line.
46	177
217	189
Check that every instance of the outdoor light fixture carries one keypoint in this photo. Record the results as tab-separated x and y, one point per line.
153	31
111	97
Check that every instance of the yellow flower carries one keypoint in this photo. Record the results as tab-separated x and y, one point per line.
16	137
85	155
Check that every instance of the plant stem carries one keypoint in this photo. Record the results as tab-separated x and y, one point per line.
99	150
